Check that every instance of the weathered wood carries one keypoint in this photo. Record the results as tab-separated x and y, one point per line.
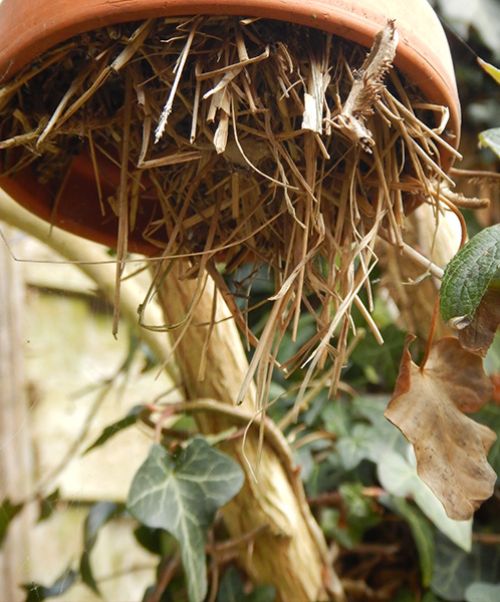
291	553
15	448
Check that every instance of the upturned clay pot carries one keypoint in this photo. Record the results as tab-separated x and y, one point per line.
30	27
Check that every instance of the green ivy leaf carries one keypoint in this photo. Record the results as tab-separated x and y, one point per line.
422	535
48	505
231	589
455	571
491	139
380	362
482	592
182	495
360	510
470	273
400	478
98	516
354	448
113	429
489	415
37	592
8	511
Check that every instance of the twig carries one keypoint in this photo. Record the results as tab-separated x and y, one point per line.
410	252
167	109
166	575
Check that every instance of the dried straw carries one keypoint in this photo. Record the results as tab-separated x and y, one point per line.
263	143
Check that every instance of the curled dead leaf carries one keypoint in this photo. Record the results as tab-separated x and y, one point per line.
366	87
451	449
478	336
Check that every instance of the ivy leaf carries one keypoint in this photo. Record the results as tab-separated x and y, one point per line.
455	570
482	592
48	505
97	517
470	273
450	448
491	139
8	511
490	416
399	477
182	495
422	534
37	592
113	429
231	589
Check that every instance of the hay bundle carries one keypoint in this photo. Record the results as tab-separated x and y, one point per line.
262	142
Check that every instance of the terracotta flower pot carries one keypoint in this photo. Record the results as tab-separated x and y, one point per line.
30	27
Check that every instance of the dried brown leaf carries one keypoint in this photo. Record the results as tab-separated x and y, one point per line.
478	336
366	87
428	407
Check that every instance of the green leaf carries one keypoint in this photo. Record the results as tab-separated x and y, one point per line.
482	592
422	535
380	362
455	571
489	415
97	517
470	273
231	589
37	592
182	495
48	505
87	574
491	139
400	478
337	419
490	69
150	539
262	593
384	436
8	511
353	448
430	597
113	429
361	510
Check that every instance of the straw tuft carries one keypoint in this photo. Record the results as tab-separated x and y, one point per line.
262	143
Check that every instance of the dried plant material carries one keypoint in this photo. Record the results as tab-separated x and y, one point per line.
477	335
366	88
240	157
451	449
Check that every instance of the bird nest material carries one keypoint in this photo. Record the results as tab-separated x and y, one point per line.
263	142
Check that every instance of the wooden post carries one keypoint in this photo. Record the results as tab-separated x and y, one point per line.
291	552
15	441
